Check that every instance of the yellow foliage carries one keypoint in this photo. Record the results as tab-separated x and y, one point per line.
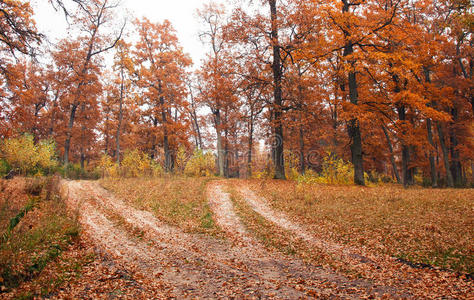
135	164
267	173
24	155
200	164
45	151
292	161
181	160
107	166
335	171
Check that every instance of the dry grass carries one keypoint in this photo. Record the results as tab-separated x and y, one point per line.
35	232
178	201
278	239
434	227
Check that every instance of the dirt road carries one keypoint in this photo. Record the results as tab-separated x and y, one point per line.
187	265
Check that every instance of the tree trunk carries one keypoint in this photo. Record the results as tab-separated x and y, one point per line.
75	104
444	149
392	158
195	121
226	152
455	157
353	125
67	144
83	136
153	143
106	133
120	117
164	120
220	150
406	172
250	150
166	146
53	115
334	117
472	173
83	158
356	150
198	131
302	156
301	126
278	160
434	177
433	172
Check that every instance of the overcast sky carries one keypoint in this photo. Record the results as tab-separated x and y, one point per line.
181	13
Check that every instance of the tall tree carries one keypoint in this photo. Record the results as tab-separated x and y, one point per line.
87	48
161	74
277	107
216	84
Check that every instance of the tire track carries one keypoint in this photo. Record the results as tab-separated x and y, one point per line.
226	217
402	280
197	266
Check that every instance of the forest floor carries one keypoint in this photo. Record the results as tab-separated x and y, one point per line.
236	240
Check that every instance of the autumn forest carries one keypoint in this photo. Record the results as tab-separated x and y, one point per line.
300	150
384	85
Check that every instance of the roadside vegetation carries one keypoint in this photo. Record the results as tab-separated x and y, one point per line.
432	227
35	232
24	156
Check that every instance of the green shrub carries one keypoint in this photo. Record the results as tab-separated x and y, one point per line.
74	171
4	168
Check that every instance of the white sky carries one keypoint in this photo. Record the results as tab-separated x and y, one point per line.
181	13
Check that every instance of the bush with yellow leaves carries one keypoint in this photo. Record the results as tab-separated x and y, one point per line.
182	158
292	162
335	171
27	157
107	167
135	164
200	164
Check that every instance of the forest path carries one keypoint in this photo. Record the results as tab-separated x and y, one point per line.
261	206
190	265
399	278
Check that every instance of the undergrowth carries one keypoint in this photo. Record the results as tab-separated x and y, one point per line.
36	230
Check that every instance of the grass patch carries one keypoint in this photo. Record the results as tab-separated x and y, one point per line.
179	201
427	226
35	233
275	238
